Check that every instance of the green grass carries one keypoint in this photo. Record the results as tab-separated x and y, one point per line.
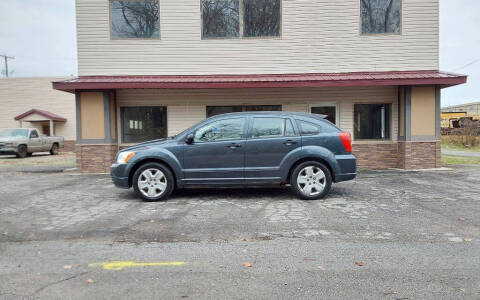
458	147
460	160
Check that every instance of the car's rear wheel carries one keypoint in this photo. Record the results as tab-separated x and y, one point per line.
311	180
54	150
153	182
22	151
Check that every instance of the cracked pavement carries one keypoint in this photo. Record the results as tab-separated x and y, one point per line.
418	234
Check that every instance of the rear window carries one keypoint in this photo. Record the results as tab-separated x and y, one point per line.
308	128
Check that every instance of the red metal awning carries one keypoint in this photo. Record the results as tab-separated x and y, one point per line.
444	79
48	115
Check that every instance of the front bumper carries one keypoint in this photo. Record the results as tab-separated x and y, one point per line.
120	175
8	150
348	167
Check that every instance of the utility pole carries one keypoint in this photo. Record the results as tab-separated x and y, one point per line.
6	58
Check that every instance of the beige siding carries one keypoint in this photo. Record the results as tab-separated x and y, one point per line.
18	95
423	111
317	36
93	116
186	107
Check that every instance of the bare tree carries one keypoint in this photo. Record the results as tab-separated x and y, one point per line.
261	18
380	16
137	19
220	18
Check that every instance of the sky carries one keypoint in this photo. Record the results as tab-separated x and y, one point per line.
40	34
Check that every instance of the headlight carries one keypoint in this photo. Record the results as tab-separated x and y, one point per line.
124	157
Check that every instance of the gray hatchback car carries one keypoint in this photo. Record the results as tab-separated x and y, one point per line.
302	150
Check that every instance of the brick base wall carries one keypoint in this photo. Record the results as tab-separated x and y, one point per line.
376	156
404	155
95	158
69	146
420	155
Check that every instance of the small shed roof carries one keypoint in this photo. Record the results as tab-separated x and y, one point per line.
48	115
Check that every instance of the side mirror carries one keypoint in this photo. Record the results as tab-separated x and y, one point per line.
189	139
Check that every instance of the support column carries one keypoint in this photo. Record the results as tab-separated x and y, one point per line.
419	122
52	128
96	140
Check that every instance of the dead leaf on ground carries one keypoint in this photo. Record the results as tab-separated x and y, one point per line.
90	280
360	263
67	267
247	265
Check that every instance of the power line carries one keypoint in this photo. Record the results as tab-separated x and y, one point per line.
6	58
467	65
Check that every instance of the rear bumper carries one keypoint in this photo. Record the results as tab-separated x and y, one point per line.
119	174
348	167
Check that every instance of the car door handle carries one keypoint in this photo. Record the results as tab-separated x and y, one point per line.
234	145
290	142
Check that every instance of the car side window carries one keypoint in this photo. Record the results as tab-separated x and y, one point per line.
289	131
308	128
268	127
34	135
222	130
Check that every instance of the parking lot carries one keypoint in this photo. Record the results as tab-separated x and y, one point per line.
388	235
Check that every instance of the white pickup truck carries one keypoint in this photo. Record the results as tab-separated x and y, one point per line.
22	142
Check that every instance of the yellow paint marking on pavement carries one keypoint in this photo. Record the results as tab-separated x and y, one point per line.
120	265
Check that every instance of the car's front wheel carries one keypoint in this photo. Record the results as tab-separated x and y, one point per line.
54	149
22	151
153	182
311	180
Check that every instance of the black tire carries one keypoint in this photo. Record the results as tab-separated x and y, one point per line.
29	154
54	150
316	165
22	151
169	180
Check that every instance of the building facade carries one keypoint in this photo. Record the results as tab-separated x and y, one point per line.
31	102
470	109
151	68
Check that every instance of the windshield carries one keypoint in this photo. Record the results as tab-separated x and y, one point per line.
14	133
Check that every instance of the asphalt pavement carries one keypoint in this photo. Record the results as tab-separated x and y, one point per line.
386	235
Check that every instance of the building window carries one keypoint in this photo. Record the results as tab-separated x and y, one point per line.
220	18
240	18
372	121
380	16
330	111
140	124
261	18
137	19
217	110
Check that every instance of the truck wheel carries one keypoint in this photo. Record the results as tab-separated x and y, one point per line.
22	151
54	150
311	180
153	182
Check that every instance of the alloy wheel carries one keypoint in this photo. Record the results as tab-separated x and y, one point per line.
152	183
311	181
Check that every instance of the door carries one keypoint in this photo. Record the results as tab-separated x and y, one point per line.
270	140
217	154
35	142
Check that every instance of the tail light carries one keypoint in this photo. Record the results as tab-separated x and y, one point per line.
346	140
